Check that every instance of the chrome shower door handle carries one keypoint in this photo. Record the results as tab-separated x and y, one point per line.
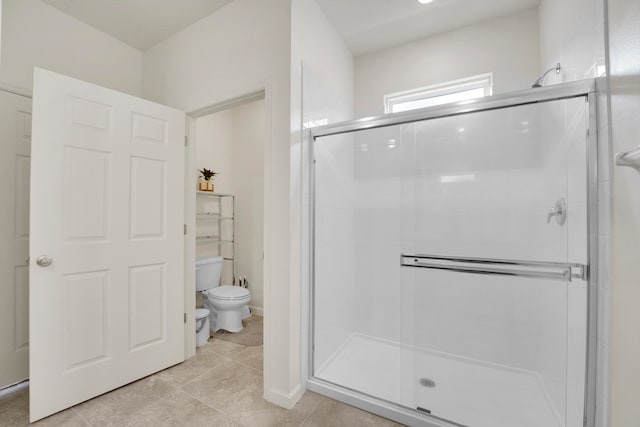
559	211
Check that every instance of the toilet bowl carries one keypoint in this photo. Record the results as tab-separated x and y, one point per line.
227	304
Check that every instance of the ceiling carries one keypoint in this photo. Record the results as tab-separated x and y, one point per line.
138	23
370	25
365	25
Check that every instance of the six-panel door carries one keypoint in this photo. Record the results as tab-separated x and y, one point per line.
107	213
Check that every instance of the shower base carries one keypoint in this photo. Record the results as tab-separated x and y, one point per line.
465	391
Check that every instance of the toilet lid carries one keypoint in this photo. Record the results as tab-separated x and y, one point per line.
201	313
228	292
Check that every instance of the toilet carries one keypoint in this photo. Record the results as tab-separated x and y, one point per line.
202	326
227	305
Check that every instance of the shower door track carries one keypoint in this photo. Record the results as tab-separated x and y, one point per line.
580	88
501	267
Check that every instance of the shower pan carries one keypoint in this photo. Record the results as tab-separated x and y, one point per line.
452	251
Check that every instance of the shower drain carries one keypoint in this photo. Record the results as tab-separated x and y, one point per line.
427	382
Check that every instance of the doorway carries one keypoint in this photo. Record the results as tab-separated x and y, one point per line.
227	139
15	137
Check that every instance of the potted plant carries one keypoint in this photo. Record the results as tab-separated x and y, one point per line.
206	184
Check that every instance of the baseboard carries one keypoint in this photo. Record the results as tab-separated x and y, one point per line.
257	310
285	400
10	389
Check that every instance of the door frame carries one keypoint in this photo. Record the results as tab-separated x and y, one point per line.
190	181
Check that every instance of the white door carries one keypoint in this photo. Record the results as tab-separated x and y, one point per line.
15	143
107	213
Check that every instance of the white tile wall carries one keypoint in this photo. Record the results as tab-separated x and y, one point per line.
335	294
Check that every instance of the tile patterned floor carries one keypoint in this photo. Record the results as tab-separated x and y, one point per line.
220	386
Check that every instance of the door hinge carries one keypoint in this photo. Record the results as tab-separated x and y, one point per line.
185	229
186	141
185	317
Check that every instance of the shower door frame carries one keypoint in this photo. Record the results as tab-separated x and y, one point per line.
576	89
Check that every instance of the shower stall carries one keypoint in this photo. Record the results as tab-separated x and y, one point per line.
451	256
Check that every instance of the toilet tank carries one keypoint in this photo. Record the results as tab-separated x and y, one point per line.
208	270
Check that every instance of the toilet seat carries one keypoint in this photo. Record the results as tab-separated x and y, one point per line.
228	293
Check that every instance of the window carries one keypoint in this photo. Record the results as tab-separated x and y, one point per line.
457	90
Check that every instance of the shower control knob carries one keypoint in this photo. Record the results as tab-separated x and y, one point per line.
44	261
559	211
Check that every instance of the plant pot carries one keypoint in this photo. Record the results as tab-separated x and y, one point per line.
202	186
210	186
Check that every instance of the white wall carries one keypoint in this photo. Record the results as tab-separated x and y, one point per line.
248	186
241	48
624	62
214	148
36	34
572	33
321	89
507	46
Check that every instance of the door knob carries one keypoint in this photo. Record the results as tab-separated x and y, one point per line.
559	211
44	261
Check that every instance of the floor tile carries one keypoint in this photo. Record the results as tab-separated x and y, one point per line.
331	413
224	348
260	413
186	371
14	412
225	421
14	409
114	408
251	356
226	386
175	409
66	418
221	386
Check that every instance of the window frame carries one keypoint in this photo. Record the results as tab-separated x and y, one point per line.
480	81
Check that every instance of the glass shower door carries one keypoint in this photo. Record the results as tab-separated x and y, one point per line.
494	223
448	265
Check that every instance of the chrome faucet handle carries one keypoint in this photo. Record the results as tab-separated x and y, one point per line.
559	211
553	212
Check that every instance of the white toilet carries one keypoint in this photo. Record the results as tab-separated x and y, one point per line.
227	304
202	326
